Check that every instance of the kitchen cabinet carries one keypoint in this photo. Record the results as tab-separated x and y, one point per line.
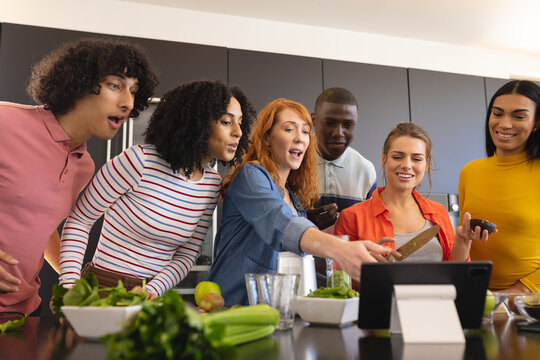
178	63
383	102
451	108
265	77
492	85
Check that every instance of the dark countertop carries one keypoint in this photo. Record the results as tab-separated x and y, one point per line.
44	338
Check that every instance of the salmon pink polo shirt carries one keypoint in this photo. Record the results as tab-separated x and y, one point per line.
40	179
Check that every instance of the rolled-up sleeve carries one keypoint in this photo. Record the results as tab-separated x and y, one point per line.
293	232
257	199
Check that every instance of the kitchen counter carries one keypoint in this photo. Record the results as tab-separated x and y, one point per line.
44	338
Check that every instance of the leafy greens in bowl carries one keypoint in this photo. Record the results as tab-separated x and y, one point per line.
341	292
95	312
86	292
332	306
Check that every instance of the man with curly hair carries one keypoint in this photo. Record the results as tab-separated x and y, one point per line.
86	88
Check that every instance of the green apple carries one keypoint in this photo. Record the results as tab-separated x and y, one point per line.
205	287
490	303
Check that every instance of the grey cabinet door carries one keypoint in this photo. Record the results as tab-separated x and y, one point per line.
383	101
492	85
265	77
451	108
21	47
178	63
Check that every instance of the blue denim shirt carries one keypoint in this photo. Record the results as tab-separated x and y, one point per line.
256	223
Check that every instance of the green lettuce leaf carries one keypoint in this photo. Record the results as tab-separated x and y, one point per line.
12	324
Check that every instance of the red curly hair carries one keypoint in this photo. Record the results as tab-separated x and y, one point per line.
303	181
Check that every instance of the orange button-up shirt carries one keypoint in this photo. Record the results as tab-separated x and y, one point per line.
369	220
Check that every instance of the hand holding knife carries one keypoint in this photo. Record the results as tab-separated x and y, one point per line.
415	243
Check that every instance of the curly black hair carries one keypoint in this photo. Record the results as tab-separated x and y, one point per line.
180	125
75	69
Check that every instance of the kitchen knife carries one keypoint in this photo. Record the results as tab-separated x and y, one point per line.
415	243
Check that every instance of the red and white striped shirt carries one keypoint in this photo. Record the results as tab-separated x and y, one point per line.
155	220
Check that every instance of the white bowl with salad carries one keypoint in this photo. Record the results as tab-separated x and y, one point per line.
94	312
337	305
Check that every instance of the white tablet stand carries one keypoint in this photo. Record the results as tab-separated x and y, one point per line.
426	314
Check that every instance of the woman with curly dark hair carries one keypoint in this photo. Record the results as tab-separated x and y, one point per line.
85	88
265	198
158	198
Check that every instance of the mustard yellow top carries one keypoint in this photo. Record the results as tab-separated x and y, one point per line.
505	191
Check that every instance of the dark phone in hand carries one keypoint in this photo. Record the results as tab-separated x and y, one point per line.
529	327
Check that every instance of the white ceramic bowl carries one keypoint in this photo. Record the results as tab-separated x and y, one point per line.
94	322
327	311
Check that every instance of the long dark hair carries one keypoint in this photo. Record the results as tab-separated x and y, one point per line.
532	91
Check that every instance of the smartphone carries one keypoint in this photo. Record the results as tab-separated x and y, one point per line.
529	327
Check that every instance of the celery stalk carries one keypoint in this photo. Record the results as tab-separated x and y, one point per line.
232	330
257	314
241	325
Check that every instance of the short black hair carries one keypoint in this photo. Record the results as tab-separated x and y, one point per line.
532	91
180	125
336	95
75	69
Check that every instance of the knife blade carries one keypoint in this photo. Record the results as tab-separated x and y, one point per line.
415	243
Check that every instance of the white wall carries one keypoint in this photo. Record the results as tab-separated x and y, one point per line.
147	21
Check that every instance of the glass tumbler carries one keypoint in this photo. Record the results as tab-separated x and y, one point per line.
332	280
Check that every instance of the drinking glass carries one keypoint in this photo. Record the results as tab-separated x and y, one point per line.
279	291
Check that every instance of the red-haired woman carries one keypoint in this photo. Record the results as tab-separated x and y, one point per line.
264	201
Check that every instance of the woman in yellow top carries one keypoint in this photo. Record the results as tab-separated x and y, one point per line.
505	188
